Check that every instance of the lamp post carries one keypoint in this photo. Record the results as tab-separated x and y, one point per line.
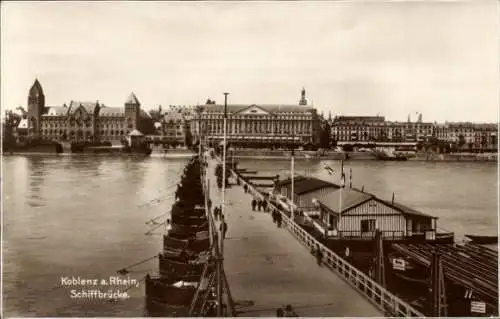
220	252
224	157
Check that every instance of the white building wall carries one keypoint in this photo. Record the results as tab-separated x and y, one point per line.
387	218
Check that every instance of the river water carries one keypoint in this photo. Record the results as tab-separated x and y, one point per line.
83	216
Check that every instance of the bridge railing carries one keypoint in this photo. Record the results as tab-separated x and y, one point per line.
383	299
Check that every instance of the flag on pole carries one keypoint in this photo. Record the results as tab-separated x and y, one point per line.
328	169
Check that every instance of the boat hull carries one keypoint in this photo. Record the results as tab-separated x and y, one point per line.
161	290
171	267
485	240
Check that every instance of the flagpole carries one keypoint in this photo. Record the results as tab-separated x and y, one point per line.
342	177
224	158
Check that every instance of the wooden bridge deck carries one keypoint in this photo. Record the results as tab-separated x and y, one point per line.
267	267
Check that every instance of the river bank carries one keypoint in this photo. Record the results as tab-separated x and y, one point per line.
172	153
299	155
314	155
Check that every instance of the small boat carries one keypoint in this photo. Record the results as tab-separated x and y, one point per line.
383	155
478	239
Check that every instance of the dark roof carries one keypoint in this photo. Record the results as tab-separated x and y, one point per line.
36	88
359	118
404	209
350	198
112	111
132	99
88	106
303	185
271	108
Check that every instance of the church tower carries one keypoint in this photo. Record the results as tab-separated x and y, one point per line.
36	105
132	112
303	100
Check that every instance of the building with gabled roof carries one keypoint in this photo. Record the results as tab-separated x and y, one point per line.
349	213
89	121
177	125
352	213
260	124
305	190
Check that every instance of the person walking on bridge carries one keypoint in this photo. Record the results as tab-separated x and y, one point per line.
254	202
319	256
279	312
289	312
245	188
279	219
223	228
259	204
216	212
275	216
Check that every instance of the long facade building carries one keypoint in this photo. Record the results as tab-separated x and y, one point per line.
82	121
373	128
365	129
260	124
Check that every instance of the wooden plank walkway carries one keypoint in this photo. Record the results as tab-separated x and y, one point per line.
267	267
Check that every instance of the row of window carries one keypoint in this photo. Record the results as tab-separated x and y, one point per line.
250	131
372	129
63	124
101	132
258	117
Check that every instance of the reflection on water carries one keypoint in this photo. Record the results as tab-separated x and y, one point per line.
86	216
80	216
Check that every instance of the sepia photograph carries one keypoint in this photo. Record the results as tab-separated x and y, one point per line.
249	158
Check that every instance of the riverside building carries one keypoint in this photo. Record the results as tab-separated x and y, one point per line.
82	121
260	125
375	129
177	125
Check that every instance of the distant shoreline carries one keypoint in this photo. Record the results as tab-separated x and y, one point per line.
264	157
362	156
281	155
160	155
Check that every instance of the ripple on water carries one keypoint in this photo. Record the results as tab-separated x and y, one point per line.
77	216
88	209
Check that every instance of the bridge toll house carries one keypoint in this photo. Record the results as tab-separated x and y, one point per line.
335	213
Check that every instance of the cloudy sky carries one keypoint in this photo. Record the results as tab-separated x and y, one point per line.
440	58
